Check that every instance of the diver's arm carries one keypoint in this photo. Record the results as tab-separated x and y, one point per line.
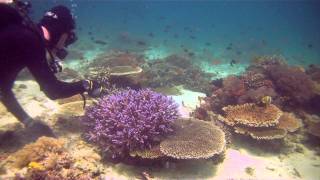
37	64
10	102
49	84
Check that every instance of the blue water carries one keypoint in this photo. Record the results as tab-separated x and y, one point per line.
212	30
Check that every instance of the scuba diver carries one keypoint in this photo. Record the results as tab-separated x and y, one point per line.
39	48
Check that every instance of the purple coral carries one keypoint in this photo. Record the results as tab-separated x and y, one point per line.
130	120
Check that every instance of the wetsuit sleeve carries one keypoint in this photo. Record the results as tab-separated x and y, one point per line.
37	64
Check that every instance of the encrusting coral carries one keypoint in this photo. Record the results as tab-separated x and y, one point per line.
130	120
194	139
252	115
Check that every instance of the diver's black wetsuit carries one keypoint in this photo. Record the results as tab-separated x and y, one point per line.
21	47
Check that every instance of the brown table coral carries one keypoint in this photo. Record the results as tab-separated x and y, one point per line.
252	115
194	139
262	133
263	123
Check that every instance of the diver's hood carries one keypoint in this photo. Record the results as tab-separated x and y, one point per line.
58	20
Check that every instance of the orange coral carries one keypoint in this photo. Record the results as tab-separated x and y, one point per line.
252	115
289	122
38	151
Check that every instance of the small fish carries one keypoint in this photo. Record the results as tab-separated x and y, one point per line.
100	42
191	54
141	43
192	37
232	62
151	34
310	46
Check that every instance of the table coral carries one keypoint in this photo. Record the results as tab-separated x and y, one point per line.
252	115
194	139
262	133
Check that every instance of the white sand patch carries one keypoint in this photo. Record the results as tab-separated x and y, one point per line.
187	101
235	164
34	101
268	167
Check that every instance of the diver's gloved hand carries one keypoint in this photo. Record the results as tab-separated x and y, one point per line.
56	66
93	88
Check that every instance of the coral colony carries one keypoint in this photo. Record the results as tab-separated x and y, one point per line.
130	120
